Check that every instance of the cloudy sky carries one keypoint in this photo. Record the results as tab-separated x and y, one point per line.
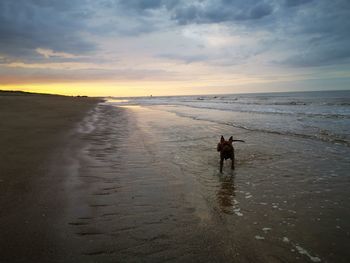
168	47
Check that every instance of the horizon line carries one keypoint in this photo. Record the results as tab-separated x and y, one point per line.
179	95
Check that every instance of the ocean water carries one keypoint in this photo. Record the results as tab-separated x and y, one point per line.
319	115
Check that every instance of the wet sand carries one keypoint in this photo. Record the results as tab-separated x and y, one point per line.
136	184
34	131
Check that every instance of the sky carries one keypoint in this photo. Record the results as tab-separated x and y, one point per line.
173	47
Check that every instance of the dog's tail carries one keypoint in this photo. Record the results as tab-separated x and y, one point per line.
238	141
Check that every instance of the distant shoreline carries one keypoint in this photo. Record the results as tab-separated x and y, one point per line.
27	93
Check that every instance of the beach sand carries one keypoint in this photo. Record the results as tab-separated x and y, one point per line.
34	130
140	184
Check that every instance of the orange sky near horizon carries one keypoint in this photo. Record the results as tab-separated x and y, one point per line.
173	88
139	88
115	89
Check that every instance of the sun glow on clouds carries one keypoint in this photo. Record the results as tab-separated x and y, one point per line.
54	65
47	53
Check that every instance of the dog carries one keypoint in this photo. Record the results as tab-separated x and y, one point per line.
227	151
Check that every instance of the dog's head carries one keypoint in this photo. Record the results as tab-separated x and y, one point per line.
225	145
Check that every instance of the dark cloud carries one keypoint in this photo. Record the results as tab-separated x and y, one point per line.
296	2
310	33
28	24
320	35
197	11
322	56
141	5
220	11
260	10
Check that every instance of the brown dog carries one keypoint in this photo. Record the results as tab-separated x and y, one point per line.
227	151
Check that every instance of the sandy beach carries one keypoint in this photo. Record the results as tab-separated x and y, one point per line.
88	182
34	131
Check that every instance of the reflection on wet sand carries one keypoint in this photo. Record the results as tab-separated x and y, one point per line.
226	193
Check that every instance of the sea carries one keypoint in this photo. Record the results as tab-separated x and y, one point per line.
319	115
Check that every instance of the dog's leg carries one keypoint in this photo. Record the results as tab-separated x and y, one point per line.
233	161
221	164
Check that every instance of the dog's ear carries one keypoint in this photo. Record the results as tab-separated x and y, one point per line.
231	139
222	139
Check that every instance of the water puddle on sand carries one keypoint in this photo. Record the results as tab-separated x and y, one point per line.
132	107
